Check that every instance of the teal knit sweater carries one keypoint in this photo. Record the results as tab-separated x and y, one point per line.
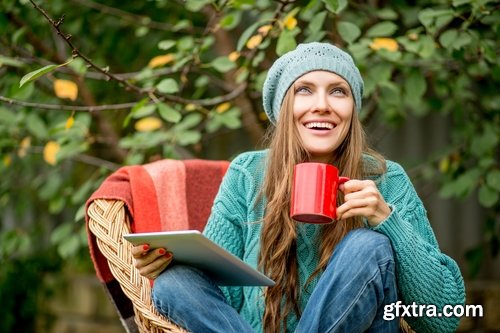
424	274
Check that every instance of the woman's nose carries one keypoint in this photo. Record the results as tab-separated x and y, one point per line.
322	104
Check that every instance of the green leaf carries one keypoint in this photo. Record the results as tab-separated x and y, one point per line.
427	47
223	64
78	65
32	76
196	5
169	113
348	31
189	121
487	141
188	137
166	44
493	179
8	117
316	23
335	6
434	19
231	20
82	192
462	40
168	86
461	186
457	3
36	126
71	149
448	38
387	14
286	41
488	197
69	246
246	35
415	85
231	118
213	123
36	74
10	62
382	29
81	213
143	111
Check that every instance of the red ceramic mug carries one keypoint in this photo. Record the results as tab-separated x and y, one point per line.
314	192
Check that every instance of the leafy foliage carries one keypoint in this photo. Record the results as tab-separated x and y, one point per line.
163	79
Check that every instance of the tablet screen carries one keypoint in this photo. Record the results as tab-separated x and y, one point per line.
191	247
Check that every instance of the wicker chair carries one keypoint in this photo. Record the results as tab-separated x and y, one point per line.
109	221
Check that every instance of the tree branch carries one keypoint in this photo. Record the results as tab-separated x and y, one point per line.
146	92
77	108
77	53
132	18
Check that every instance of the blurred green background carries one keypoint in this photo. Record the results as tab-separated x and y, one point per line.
87	87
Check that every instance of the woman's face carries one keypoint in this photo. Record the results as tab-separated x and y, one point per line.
322	111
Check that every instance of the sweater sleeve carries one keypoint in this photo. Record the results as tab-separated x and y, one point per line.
425	275
228	214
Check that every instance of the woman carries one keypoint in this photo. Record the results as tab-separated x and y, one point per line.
338	277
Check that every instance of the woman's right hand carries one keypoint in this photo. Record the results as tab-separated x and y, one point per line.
150	263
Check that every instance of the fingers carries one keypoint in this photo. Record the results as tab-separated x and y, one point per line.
362	198
153	270
139	250
150	263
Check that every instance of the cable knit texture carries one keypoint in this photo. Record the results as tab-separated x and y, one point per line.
424	274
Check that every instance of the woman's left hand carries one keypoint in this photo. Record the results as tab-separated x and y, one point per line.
362	198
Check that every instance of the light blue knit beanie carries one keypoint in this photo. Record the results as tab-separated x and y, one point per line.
306	58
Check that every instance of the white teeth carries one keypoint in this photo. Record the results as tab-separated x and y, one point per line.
319	125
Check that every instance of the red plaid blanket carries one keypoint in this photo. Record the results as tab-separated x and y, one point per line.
163	195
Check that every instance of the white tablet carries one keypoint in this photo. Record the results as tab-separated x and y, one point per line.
191	247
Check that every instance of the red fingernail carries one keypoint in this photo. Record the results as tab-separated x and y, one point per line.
162	251
145	247
168	255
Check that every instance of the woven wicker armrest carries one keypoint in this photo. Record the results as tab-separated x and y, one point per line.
108	221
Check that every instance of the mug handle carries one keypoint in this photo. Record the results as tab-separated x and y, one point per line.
342	180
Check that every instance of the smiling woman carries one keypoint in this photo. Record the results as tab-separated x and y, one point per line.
322	108
333	277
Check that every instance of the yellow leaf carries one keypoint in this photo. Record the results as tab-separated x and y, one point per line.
50	151
161	60
148	124
264	30
413	36
254	41
7	160
384	43
66	89
190	107
69	122
290	22
221	108
263	116
23	146
233	56
444	165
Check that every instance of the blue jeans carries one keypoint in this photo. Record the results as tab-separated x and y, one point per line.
350	296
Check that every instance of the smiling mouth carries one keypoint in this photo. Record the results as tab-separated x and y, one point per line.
322	126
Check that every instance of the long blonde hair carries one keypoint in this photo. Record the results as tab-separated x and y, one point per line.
278	239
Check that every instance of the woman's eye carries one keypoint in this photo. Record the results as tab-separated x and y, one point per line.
302	90
339	91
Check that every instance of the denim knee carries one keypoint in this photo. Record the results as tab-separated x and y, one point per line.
170	285
365	243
